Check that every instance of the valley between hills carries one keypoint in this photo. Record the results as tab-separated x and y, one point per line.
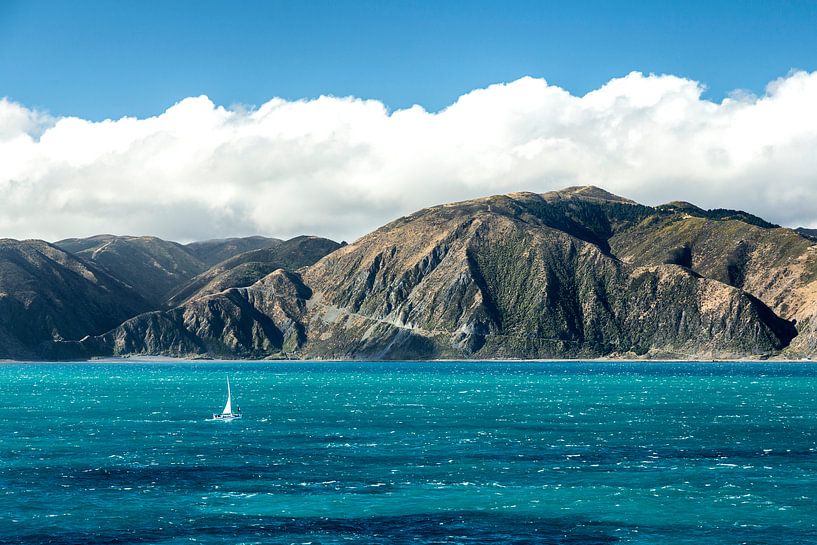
573	274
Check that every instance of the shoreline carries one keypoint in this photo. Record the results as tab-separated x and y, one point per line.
174	359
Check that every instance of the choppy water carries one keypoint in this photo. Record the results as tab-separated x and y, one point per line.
591	453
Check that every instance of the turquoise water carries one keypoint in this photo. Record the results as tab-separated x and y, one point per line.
589	453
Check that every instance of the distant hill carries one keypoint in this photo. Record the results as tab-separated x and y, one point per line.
248	267
577	273
159	268
150	265
211	252
808	233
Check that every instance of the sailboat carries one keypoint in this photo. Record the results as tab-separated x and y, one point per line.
227	413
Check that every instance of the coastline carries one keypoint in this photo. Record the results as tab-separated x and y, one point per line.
176	359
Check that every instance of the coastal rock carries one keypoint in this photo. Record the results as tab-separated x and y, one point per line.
253	322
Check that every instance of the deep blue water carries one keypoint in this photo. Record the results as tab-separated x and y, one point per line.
584	453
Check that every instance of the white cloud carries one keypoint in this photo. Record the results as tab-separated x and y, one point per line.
342	166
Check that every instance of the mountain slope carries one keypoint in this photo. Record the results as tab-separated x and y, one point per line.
251	322
524	275
46	294
776	265
150	265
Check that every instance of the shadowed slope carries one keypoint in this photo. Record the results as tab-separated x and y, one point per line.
47	294
776	265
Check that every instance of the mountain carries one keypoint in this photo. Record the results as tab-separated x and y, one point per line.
211	252
575	273
808	233
47	294
526	275
150	265
247	268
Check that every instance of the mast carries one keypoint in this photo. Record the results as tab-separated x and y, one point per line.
228	408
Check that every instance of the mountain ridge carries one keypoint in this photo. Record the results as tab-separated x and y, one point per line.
575	273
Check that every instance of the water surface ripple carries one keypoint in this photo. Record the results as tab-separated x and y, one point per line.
442	452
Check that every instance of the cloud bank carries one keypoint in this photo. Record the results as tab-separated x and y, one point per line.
341	166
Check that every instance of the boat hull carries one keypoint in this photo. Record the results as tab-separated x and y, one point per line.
226	417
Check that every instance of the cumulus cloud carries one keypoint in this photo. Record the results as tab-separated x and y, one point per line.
341	166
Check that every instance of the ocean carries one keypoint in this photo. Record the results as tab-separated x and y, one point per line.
407	452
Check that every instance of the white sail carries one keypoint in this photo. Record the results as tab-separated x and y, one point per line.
228	408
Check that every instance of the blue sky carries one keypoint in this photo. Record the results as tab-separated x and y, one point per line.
99	59
505	90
